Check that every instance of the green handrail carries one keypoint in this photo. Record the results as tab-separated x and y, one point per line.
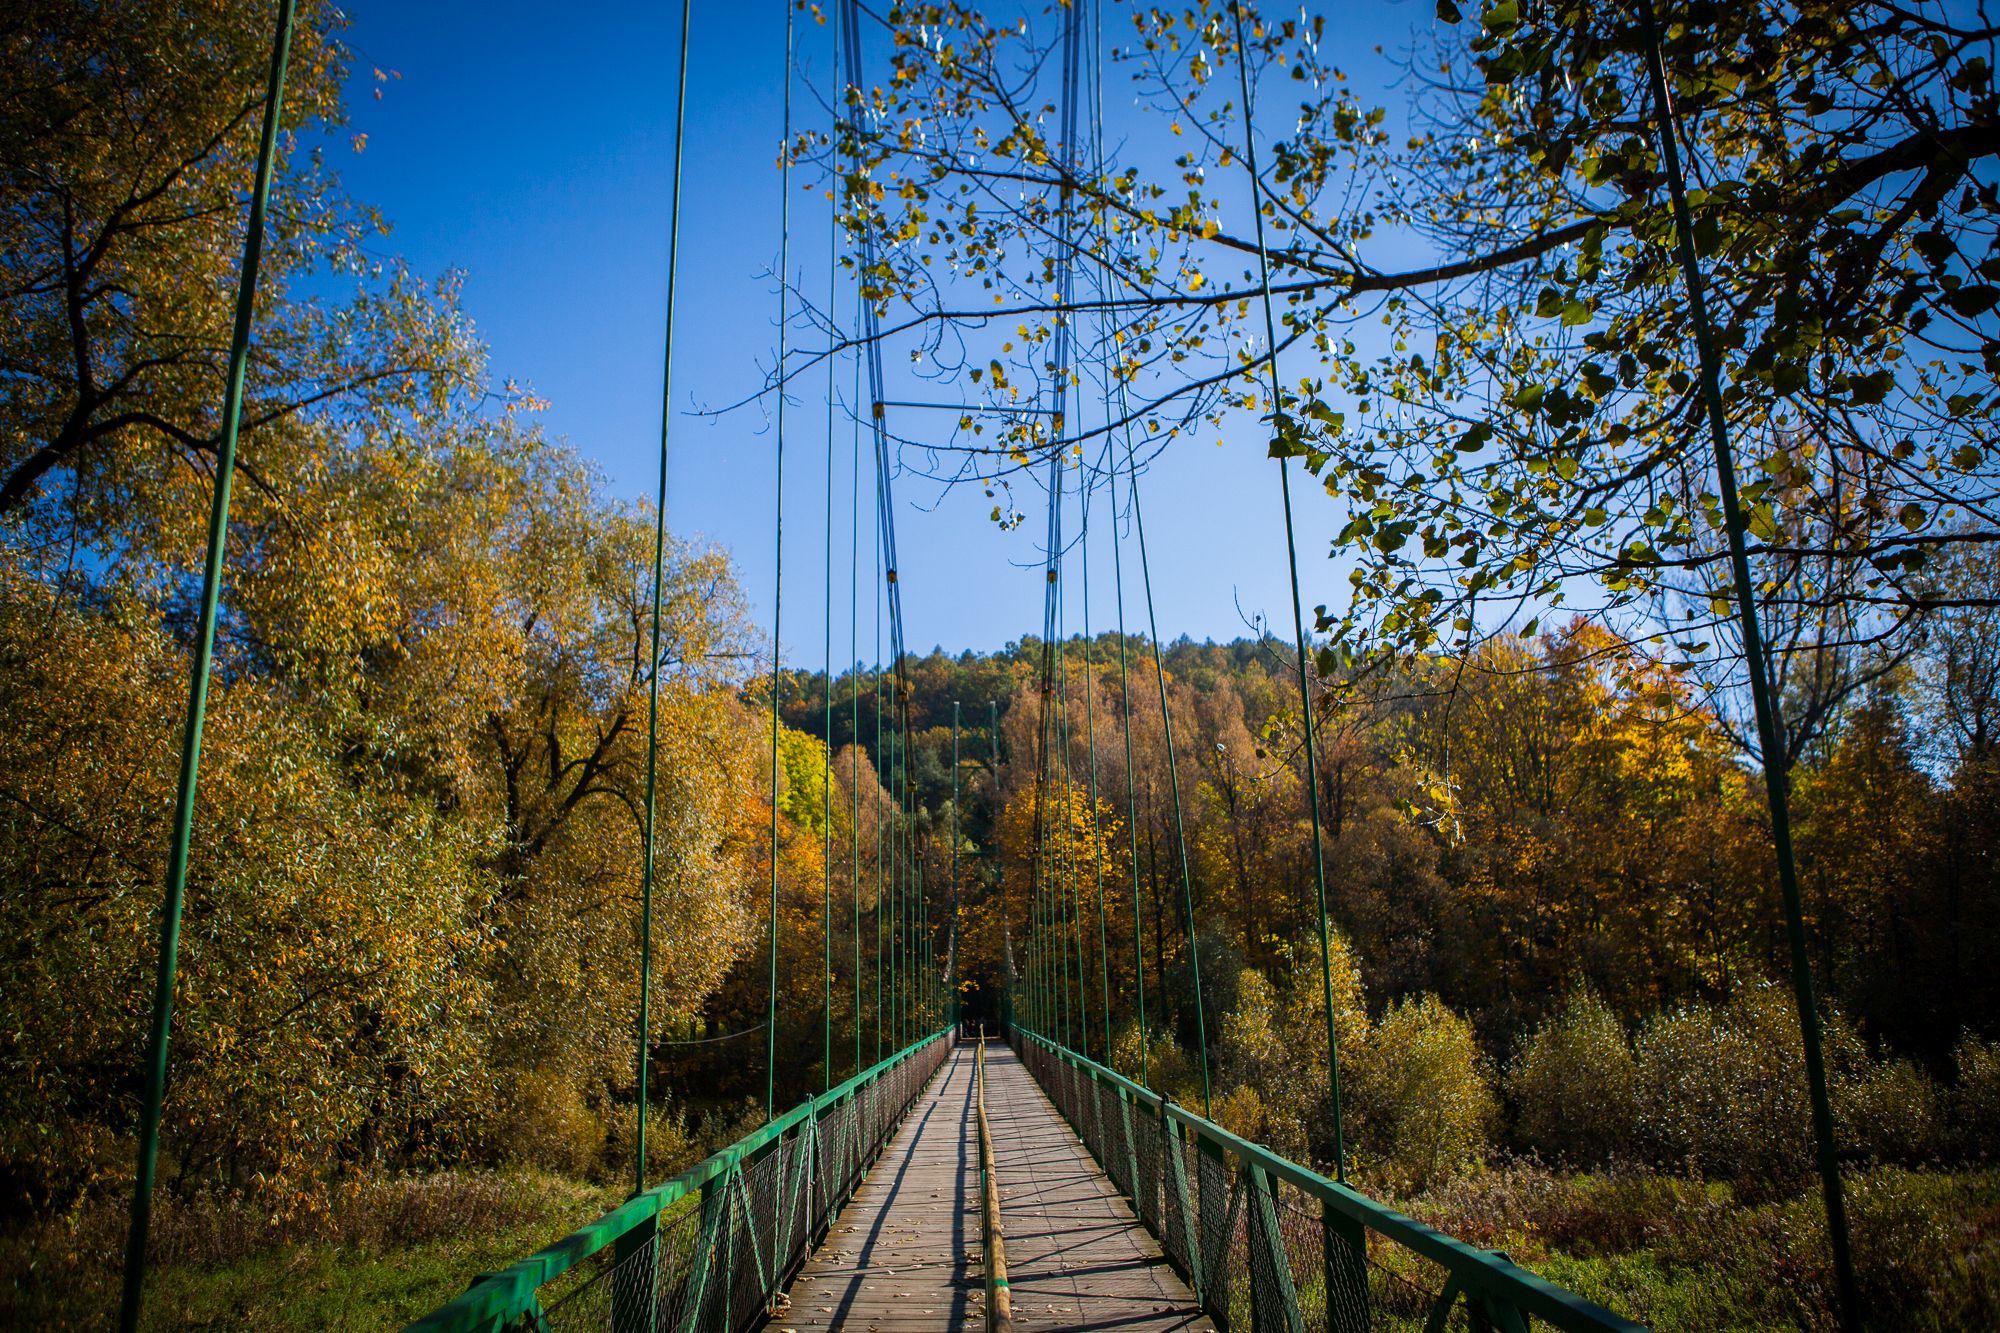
1476	1273
496	1300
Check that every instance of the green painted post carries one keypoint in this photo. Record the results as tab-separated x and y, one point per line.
1344	1266
1776	779
197	705
635	1296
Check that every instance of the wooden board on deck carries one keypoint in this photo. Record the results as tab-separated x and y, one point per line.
904	1254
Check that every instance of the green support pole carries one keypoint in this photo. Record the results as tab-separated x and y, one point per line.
1776	779
854	797
197	704
1298	613
659	574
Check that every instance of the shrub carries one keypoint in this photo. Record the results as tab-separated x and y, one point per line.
1250	1051
1575	1085
1241	1112
540	1119
1424	1103
1888	1111
1975	1102
1303	1104
671	1146
1168	1067
1722	1090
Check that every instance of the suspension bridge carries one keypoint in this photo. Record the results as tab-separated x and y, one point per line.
1016	1182
1116	1209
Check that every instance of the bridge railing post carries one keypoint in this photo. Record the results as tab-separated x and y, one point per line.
1344	1258
635	1288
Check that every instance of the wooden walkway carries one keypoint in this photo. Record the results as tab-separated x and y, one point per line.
904	1255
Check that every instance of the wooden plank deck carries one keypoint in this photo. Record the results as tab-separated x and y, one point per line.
904	1255
1077	1257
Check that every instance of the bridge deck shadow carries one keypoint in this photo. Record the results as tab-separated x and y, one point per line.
904	1255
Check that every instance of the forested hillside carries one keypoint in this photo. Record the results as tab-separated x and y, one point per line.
1550	817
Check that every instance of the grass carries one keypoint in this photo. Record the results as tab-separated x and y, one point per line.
1679	1254
382	1255
1674	1253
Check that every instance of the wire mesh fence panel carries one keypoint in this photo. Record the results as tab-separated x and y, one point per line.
1116	1152
1177	1215
1219	1221
1146	1138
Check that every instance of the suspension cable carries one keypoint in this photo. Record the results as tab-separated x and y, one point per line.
882	961
854	642
1090	744
778	563
1066	861
1117	557
826	690
1298	612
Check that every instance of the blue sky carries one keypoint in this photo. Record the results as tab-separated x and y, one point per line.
530	146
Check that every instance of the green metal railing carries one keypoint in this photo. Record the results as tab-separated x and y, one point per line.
713	1248
1269	1245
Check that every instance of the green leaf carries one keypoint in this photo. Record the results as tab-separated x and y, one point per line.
1911	516
1289	442
1871	388
1975	298
1449	12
